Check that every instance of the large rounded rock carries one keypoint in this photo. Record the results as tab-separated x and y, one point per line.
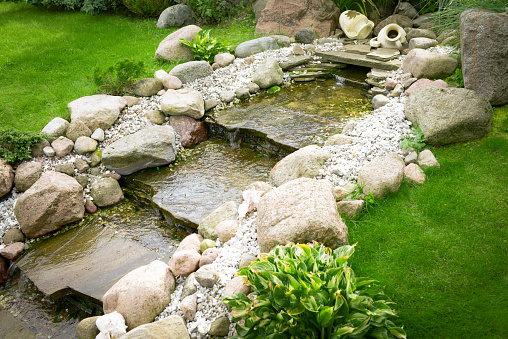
306	162
255	46
192	70
484	51
305	36
147	87
141	294
224	59
422	43
55	200
27	174
100	110
106	192
172	49
184	262
426	64
176	16
6	177
300	211
191	131
420	33
87	329
448	115
422	83
172	327
192	242
381	176
227	211
288	17
185	101
150	147
56	127
268	74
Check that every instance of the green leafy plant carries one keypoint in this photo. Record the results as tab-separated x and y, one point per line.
213	11
448	16
147	8
88	6
273	90
360	5
310	291
119	78
457	78
204	46
15	145
416	140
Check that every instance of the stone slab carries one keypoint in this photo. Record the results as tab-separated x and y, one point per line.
358	49
384	54
359	60
11	327
214	173
85	261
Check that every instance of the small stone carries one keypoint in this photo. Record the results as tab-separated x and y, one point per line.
210	104
190	286
95	159
156	117
87	329
414	173
242	93
206	276
227	96
410	158
81	165
96	171
253	88
131	101
305	36
115	176
390	84
248	60
85	145
98	134
397	91
161	92
220	327
13	235
67	168
206	244
191	242
12	251
106	192
184	262
27	174
215	66
37	149
246	259
427	160
82	180
234	286
62	146
227	229
224	59
171	82
339	193
351	208
298	50
339	140
379	101
209	256
160	75
189	306
90	206
77	129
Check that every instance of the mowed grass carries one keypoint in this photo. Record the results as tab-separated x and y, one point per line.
441	248
48	57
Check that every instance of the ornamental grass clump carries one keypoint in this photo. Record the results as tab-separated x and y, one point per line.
309	291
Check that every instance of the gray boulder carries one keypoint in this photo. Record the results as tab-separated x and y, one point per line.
381	176
379	100
484	51
422	43
220	327
176	16
100	110
171	82
306	162
6	177
426	64
150	147
87	329
147	87
426	159
268	74
141	294
191	70
190	286
420	33
155	116
206	276
185	101
66	168
350	208
282	40
27	174
85	145
227	211
62	146
406	9
172	49
305	36
448	115
255	46
55	200
172	327
224	59
56	127
106	192
300	211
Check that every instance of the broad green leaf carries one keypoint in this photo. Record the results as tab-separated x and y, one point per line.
310	303
398	332
380	333
342	332
325	316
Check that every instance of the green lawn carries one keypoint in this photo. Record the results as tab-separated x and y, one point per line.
47	57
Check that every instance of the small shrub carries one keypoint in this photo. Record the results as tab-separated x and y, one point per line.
88	6
15	145
213	11
416	141
309	291
120	78
147	8
204	46
456	79
358	5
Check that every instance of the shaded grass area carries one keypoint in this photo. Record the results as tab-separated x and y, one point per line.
48	57
441	248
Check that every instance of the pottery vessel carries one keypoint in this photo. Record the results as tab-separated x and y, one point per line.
391	36
355	25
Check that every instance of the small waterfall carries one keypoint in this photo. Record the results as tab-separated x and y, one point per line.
340	81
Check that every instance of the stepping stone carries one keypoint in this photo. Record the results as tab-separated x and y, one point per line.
379	74
295	61
215	173
384	54
85	261
358	49
359	60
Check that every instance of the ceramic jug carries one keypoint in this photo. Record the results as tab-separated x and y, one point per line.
355	25
391	36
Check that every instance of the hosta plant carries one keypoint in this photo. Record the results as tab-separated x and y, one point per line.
309	291
204	46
